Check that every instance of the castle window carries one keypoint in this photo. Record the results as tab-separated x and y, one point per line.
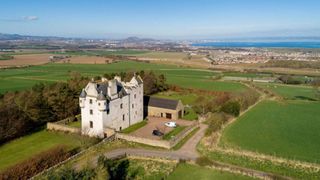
90	101
98	104
132	105
123	117
135	95
91	124
121	105
91	111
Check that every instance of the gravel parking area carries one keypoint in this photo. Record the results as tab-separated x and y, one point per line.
158	123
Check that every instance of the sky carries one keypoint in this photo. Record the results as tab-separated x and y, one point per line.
164	19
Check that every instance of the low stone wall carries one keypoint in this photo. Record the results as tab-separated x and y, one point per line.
151	142
159	143
183	134
62	127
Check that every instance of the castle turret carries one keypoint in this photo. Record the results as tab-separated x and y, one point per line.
82	98
102	102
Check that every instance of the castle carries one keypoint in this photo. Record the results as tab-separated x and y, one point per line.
111	104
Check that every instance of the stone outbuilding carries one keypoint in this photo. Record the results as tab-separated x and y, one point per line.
166	108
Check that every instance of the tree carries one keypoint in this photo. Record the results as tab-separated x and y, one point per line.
231	107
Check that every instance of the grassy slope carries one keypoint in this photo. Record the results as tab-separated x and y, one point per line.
290	91
174	132
187	171
288	130
23	148
184	77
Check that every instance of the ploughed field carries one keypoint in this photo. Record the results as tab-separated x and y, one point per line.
24	78
287	129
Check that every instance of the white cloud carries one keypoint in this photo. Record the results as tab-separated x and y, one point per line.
30	18
22	19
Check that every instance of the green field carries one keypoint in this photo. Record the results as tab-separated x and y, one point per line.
289	129
192	172
26	147
173	133
102	52
290	91
18	79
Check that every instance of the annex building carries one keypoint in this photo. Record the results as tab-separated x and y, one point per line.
165	108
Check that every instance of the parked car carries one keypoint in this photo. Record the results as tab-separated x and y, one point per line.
171	124
157	133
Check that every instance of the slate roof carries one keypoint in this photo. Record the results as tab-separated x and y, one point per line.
160	102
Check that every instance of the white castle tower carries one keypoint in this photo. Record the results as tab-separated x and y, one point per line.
111	104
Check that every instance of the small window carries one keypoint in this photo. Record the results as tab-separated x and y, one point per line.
98	104
121	105
123	117
135	95
91	124
120	128
80	101
91	111
132	105
90	101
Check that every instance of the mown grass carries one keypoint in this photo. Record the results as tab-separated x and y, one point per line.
134	127
188	171
76	124
290	91
25	147
173	133
185	77
289	129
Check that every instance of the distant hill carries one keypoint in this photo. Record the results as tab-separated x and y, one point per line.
28	37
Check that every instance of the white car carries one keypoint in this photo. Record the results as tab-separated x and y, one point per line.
171	124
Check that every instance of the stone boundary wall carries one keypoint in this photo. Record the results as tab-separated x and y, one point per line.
62	127
159	143
183	134
151	142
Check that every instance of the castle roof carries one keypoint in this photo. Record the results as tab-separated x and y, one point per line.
83	93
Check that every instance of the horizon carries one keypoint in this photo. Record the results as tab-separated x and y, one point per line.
175	20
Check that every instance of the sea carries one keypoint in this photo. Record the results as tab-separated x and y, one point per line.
306	45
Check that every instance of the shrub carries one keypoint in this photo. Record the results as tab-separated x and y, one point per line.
231	107
203	161
36	164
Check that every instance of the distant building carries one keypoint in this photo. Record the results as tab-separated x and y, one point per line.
111	104
166	108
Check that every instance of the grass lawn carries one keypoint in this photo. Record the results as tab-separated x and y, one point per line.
173	133
134	127
25	147
188	171
25	78
290	91
289	129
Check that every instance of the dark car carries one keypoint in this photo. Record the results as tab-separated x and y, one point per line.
157	133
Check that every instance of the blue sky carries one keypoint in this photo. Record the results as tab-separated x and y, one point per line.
161	19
